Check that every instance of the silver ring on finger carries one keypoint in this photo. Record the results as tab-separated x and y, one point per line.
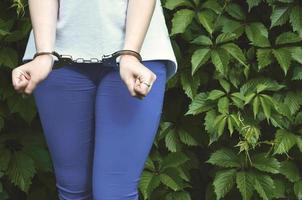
149	85
142	81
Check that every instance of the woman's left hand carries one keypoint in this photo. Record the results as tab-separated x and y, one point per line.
136	76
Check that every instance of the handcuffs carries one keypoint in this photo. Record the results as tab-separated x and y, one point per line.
107	60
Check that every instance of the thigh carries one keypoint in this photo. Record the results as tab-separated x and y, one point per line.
125	130
65	103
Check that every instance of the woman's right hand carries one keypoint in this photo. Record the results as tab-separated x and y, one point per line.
26	77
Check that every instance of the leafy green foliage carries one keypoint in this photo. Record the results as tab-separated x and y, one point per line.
23	153
252	51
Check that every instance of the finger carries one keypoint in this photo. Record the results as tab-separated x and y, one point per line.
140	94
150	83
130	86
17	73
24	84
139	89
143	86
20	83
137	94
30	87
15	77
24	73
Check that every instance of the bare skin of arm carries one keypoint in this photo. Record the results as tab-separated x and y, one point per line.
137	24
43	16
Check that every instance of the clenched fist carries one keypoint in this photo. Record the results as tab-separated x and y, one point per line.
137	77
26	77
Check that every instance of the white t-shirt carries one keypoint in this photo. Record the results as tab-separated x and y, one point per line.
90	29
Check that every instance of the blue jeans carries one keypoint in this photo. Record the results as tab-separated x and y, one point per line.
98	135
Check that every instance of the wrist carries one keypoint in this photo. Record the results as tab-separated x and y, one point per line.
52	53
45	57
127	57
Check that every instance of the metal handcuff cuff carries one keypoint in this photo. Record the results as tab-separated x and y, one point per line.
108	60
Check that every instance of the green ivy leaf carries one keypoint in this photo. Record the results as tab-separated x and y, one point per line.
264	57
293	100
149	164
172	141
298	189
297	73
220	122
181	20
266	104
235	11
174	183
190	84
279	192
8	57
183	195
148	183
296	19
223	182
236	52
225	84
238	99
40	157
264	185
215	94
288	38
256	104
258	35
213	5
187	138
245	184
224	158
220	59
21	170
231	26
283	56
207	19
290	170
172	4
24	107
297	54
209	127
202	40
174	159
284	141
253	3
199	57
223	105
225	37
264	163
199	104
299	142
230	125
280	16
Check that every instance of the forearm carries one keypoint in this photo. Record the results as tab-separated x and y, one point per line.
139	14
43	16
